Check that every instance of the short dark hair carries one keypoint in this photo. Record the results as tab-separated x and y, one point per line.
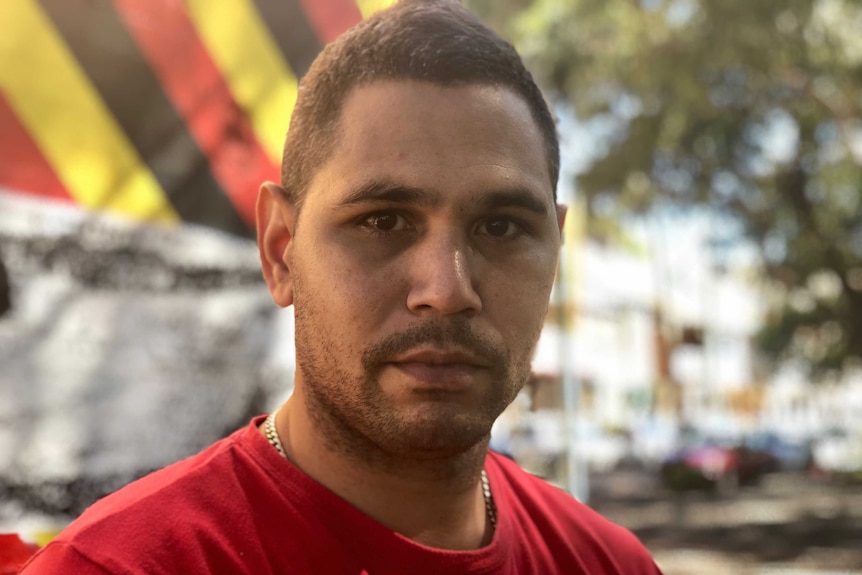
437	41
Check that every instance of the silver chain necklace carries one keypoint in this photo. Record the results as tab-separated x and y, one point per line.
274	440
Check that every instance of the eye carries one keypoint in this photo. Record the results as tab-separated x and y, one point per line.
384	222
500	227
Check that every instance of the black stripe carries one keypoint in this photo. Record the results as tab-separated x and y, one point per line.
291	30
109	55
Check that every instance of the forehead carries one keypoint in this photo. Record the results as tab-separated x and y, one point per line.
444	139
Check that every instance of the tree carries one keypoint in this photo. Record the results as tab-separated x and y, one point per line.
750	108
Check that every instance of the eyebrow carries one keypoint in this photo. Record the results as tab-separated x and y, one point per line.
383	191
518	197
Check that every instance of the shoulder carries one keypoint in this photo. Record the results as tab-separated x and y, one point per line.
61	558
170	511
569	526
181	484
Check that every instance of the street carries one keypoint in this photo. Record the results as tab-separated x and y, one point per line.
788	524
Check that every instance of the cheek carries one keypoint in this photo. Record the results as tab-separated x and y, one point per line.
518	296
528	278
347	291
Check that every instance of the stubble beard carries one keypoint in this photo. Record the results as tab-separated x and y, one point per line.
357	419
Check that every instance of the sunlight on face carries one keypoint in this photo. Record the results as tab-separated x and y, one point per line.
422	262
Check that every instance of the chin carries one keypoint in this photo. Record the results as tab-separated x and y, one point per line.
437	434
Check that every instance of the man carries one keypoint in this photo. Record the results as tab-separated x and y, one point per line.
416	234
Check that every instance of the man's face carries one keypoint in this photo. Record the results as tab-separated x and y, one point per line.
420	268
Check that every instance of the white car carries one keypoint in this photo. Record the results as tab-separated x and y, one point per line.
838	452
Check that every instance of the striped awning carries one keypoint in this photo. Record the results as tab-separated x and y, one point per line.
158	110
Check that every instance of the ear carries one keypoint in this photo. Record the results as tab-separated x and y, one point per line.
562	210
276	222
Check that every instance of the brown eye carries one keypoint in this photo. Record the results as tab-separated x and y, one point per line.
499	227
383	222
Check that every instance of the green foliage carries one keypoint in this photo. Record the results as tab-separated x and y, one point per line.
751	108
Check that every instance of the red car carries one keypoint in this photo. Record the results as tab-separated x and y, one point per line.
709	463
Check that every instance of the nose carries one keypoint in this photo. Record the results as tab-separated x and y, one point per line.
442	278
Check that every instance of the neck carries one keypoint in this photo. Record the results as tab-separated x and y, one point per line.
440	503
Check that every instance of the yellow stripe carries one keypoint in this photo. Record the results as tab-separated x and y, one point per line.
66	117
251	63
369	7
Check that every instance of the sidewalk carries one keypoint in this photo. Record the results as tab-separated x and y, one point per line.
701	562
788	525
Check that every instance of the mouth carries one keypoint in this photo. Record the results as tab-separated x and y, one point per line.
441	357
440	369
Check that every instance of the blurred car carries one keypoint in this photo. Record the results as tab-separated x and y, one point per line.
601	449
704	462
540	444
786	454
653	441
839	452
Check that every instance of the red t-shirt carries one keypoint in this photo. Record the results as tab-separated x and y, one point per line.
238	507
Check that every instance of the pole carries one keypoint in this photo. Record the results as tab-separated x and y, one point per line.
577	477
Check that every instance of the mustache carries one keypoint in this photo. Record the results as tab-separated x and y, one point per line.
443	333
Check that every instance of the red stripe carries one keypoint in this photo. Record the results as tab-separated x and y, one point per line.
23	167
330	18
190	78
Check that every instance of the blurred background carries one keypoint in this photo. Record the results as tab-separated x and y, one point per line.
699	379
